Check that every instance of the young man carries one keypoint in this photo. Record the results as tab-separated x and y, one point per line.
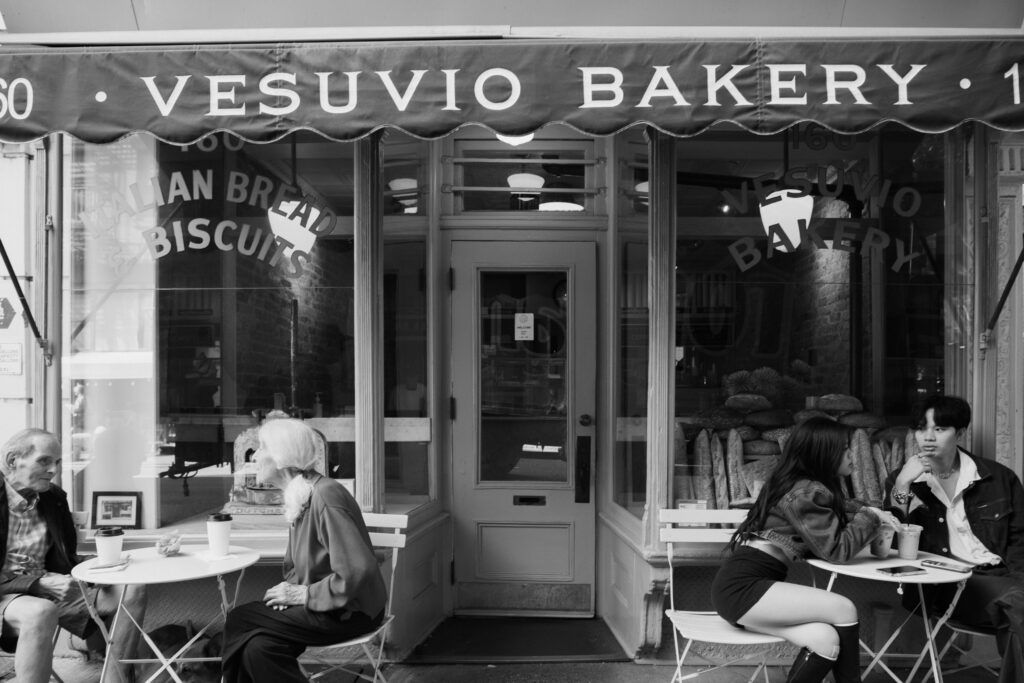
38	544
971	508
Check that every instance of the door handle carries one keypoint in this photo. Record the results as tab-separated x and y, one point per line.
586	420
582	469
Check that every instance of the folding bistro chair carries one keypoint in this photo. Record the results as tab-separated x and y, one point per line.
967	659
972	661
704	527
386	532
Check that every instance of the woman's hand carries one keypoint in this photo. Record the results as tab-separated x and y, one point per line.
885	517
285	595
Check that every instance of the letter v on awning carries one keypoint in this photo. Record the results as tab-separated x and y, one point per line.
347	90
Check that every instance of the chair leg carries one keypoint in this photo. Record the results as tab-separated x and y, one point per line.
53	674
679	660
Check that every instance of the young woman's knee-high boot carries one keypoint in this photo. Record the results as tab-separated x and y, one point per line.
847	668
809	667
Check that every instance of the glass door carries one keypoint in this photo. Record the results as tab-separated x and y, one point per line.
523	359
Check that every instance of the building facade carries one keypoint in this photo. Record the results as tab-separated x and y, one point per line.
529	290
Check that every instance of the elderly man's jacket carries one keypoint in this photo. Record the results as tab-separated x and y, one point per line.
62	554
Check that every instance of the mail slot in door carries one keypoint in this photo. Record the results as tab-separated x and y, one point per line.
529	500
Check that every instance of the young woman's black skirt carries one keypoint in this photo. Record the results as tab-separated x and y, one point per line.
743	580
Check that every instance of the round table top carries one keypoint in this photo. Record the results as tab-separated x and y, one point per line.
147	566
866	566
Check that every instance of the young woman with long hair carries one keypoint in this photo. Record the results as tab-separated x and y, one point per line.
801	512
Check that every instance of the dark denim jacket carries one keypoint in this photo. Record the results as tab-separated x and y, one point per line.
62	555
995	510
803	523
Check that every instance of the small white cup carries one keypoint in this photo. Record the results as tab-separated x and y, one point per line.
109	542
218	533
907	538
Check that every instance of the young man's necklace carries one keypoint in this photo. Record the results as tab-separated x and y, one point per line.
952	470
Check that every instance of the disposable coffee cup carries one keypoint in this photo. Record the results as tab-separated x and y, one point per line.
907	539
882	543
109	542
218	533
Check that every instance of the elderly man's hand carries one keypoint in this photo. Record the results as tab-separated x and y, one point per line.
285	594
53	585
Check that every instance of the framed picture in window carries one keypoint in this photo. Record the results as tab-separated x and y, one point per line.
116	508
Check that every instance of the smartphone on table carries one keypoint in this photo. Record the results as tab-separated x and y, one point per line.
902	570
949	566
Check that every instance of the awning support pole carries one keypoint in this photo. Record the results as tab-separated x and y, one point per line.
43	343
986	335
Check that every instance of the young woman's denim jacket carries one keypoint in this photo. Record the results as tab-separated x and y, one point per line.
804	525
994	505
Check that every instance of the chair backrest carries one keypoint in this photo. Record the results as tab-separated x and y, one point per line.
681	526
685	525
387	531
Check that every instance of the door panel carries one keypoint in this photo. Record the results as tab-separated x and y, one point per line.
523	359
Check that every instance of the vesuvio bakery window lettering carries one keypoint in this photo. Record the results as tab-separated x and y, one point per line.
836	284
786	214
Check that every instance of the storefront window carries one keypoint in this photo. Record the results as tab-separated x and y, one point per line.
404	174
810	281
206	287
629	476
407	425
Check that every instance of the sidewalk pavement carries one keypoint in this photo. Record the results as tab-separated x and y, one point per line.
75	669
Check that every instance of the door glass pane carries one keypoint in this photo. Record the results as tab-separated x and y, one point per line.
523	347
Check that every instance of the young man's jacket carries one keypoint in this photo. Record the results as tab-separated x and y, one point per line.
62	555
994	506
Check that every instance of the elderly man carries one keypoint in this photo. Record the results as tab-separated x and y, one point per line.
38	544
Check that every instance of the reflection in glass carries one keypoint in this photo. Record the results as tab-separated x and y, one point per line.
405	364
523	345
822	292
630	472
191	314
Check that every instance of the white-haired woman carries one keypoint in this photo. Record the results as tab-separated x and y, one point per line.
332	588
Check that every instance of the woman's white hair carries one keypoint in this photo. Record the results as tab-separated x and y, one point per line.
293	445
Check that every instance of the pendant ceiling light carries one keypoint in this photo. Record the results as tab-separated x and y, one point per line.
643	192
559	201
514	140
560	206
525	186
404	191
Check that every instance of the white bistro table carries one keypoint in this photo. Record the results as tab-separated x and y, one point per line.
147	567
866	566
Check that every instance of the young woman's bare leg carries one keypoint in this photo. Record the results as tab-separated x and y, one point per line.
802	615
814	619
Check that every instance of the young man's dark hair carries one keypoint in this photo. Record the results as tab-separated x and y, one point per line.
950	411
